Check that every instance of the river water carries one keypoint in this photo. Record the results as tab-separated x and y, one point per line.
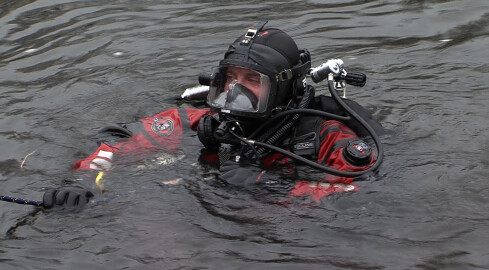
68	68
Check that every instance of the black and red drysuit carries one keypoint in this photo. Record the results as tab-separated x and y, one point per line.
324	139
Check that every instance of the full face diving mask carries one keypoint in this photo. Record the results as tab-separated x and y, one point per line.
236	90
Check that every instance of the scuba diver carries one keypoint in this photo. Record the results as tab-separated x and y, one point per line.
263	118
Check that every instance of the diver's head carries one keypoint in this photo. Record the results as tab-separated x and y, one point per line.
261	70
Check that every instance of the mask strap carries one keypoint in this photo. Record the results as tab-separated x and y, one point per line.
294	72
245	44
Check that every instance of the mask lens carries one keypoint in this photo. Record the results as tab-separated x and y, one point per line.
240	89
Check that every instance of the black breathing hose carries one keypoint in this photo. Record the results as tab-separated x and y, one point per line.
302	111
273	136
351	112
311	163
370	130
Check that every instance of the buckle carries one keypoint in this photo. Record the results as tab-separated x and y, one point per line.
250	34
285	75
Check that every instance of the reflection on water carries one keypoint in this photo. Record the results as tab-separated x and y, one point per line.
69	68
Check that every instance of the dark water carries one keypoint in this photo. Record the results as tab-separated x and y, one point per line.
69	68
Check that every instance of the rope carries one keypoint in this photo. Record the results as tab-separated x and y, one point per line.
41	204
20	200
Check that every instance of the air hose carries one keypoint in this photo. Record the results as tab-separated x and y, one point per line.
351	112
275	135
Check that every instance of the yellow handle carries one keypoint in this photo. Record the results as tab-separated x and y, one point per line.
98	181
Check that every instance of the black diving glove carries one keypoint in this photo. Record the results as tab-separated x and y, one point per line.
240	174
71	196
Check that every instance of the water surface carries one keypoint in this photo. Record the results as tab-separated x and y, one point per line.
71	67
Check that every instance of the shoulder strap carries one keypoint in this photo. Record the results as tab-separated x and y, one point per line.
328	104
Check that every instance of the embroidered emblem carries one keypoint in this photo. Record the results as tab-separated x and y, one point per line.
162	127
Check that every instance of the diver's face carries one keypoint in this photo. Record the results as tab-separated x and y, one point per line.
245	77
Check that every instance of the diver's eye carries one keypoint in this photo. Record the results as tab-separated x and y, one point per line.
230	76
254	80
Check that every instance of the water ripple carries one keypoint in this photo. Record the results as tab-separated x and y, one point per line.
70	67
